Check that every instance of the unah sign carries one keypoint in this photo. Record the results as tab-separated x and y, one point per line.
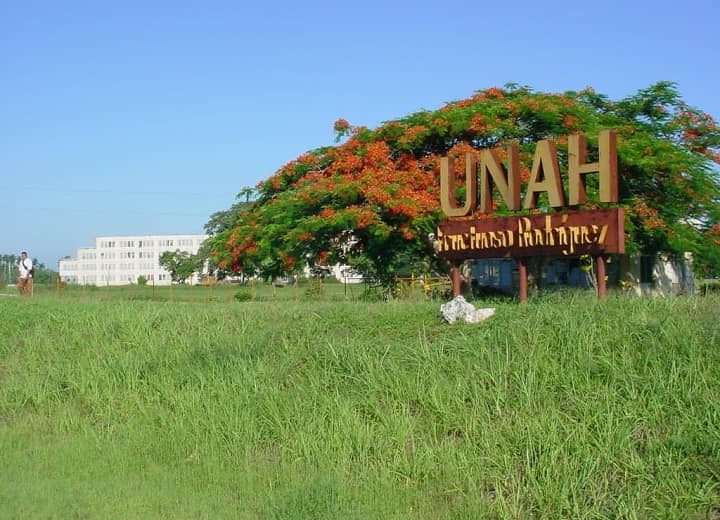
572	233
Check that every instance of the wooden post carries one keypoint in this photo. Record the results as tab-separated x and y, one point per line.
522	271
600	273
455	278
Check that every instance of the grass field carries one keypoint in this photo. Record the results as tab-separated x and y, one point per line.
307	290
120	403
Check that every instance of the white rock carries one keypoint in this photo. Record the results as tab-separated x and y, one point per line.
459	308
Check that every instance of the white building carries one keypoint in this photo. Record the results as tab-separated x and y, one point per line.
120	260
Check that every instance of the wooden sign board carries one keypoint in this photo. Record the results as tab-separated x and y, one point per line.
570	233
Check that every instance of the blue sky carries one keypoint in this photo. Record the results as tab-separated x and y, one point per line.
147	117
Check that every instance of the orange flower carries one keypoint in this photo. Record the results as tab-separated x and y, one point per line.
570	121
477	124
289	262
341	125
415	132
495	92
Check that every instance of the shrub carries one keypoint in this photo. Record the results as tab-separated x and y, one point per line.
440	293
243	295
707	287
142	280
371	295
315	287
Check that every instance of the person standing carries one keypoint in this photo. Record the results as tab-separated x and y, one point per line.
25	277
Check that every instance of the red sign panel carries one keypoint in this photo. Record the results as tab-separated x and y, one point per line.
569	233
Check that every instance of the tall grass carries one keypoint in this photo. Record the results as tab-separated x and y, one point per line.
256	291
563	408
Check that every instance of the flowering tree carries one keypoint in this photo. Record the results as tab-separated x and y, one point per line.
372	201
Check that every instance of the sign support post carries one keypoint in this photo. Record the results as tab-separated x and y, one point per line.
455	277
522	271
600	273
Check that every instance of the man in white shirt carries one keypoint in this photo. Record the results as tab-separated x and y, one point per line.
25	278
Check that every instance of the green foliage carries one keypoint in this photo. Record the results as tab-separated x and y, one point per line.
142	280
43	275
8	268
180	264
223	221
243	295
226	220
371	294
372	201
315	287
706	287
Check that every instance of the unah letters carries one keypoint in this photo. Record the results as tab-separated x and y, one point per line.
486	169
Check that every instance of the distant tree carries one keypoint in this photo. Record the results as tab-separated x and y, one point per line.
8	268
373	200
248	193
43	275
180	264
